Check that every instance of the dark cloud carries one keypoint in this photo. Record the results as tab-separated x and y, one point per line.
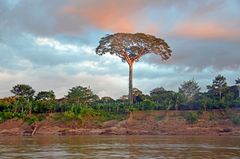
201	54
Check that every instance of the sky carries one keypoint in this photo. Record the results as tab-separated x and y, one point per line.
50	45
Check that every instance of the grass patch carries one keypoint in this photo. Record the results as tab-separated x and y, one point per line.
159	118
31	119
85	115
234	117
191	117
236	120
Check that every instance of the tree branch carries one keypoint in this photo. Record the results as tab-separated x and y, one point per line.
139	55
125	55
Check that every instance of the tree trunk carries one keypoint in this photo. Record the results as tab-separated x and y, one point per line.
130	96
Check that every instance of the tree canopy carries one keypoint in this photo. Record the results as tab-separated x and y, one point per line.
81	95
23	90
130	47
218	87
45	95
190	89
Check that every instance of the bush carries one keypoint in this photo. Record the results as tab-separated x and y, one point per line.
67	116
32	119
5	116
191	117
236	120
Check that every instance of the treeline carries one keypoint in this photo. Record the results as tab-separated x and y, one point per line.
82	99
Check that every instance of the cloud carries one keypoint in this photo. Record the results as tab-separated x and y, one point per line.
50	44
200	54
205	30
56	44
107	15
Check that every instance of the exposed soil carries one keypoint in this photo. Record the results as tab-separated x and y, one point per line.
139	123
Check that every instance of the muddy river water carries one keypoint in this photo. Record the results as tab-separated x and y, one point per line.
106	147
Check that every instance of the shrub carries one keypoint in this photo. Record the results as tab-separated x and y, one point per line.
191	117
67	116
32	119
5	116
236	119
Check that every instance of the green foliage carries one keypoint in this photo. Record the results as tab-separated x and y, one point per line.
31	119
44	106
106	100
133	46
6	115
82	105
191	117
69	116
45	95
236	119
82	114
190	89
218	87
147	104
23	90
22	105
163	97
81	95
177	99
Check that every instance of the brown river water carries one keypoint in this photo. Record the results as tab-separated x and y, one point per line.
106	147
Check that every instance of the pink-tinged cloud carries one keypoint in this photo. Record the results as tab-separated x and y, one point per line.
205	30
108	15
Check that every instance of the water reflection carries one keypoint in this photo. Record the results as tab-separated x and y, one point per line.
119	147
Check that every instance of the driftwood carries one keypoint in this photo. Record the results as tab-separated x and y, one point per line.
35	129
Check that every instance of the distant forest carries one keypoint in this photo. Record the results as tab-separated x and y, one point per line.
26	102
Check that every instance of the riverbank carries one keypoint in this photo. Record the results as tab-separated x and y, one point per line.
214	122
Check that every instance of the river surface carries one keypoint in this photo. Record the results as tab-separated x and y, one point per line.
106	147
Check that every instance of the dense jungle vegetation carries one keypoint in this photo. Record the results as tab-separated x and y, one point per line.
81	102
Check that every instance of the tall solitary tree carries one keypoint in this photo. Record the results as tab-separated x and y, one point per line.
130	47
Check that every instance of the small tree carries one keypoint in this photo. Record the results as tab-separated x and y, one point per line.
81	95
218	87
23	90
238	85
130	47
204	100
45	95
190	89
178	98
44	102
138	96
107	100
25	95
